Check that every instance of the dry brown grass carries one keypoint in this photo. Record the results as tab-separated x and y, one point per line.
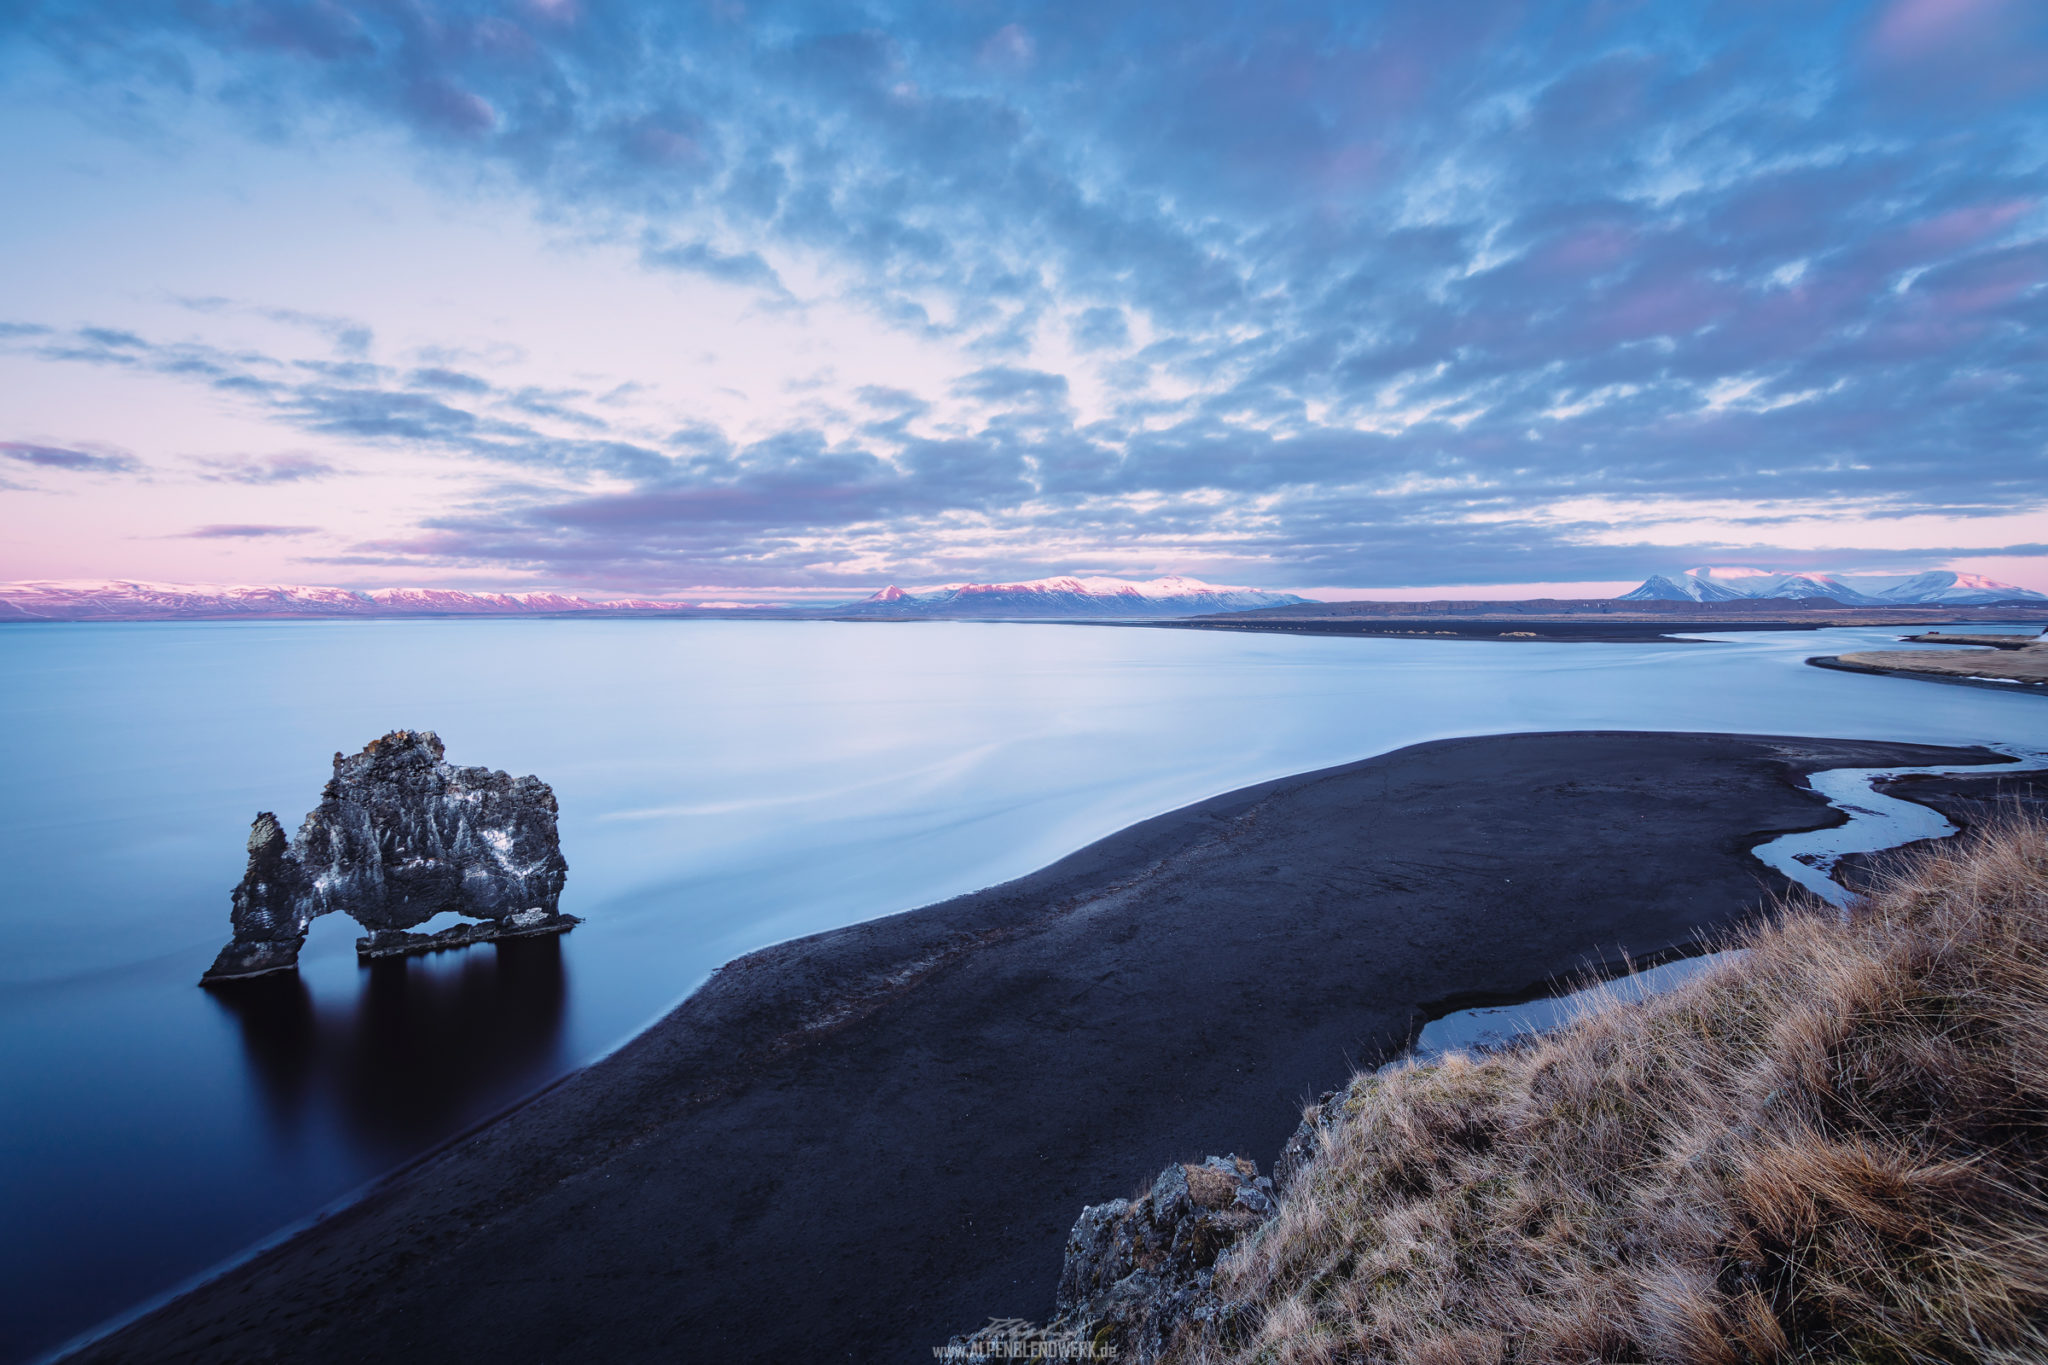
1830	1150
2021	665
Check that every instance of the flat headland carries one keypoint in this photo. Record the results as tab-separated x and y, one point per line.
2024	666
1587	620
855	1145
1938	637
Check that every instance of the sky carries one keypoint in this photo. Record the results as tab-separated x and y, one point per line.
777	298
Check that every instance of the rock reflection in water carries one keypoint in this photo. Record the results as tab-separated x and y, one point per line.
428	1047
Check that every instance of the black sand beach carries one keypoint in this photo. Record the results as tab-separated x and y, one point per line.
1975	800
852	1146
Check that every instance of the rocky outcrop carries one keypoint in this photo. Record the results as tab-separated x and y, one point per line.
401	835
1139	1273
1316	1122
272	908
1136	1271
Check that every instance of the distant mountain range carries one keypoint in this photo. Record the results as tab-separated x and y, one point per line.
1059	599
1937	587
121	600
1042	599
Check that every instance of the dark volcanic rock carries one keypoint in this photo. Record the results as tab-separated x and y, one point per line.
1136	1270
272	908
401	835
1301	1148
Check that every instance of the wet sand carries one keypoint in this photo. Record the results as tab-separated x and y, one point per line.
1975	801
851	1146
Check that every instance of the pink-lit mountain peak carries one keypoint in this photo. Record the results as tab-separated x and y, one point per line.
1782	583
1929	588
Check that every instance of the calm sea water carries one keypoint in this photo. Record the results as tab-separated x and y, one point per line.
723	785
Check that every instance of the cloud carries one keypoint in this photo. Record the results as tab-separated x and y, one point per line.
348	335
1913	31
1101	328
1009	46
450	381
267	469
244	532
1364	294
368	403
731	267
1011	384
1965	54
887	399
77	461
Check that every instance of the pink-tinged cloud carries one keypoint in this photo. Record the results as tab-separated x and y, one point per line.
1352	166
1263	293
1661	308
1966	226
1984	283
1009	46
59	457
1911	29
1588	251
1779	323
452	109
243	531
653	144
1972	51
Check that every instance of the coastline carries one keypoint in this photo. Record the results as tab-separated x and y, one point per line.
1830	661
1588	621
857	1144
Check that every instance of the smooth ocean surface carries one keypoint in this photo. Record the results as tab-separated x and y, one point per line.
723	785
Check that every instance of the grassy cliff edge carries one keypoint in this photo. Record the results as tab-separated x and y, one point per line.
1831	1149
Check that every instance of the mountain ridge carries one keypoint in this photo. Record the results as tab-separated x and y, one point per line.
1039	599
1066	598
1935	587
142	599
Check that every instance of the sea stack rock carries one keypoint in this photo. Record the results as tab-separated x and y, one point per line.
399	836
272	909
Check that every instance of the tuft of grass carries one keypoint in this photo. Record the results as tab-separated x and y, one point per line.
1834	1148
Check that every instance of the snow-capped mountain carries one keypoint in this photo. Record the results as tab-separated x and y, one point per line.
1798	586
1959	589
1939	586
1044	599
123	600
1684	588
